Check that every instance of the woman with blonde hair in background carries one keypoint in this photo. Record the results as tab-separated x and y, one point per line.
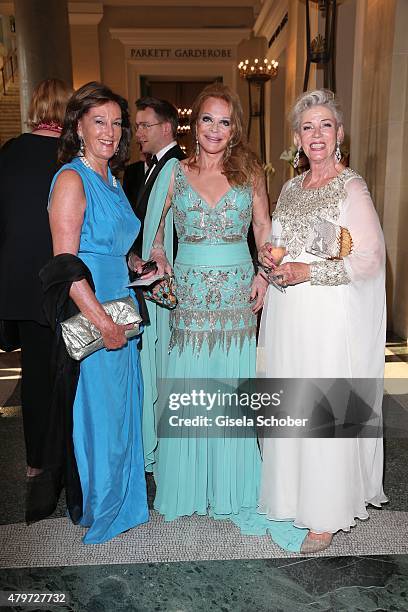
27	165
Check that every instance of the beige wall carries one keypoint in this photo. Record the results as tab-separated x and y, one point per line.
296	59
396	180
113	53
380	134
376	37
296	51
97	55
277	129
113	63
85	54
178	17
346	18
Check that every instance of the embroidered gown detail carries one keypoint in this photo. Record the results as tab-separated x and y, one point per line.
213	271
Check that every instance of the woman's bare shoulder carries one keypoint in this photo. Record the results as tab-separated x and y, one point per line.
68	176
68	190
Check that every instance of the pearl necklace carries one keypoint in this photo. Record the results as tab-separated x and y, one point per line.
88	165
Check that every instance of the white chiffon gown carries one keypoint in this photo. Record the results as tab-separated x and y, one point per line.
331	327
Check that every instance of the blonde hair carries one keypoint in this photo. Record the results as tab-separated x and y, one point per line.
48	103
318	97
239	164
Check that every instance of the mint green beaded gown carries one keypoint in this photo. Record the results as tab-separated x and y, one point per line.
213	336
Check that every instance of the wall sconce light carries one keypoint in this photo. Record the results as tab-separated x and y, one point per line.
321	49
257	72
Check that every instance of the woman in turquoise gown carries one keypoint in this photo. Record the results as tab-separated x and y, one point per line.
90	216
213	328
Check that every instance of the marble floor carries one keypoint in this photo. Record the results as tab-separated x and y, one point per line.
351	583
368	584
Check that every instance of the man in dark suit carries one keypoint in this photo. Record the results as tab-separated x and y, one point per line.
156	132
134	178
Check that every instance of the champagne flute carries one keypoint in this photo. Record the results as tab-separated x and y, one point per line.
278	252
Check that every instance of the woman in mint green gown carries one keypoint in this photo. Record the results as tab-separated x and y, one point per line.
213	328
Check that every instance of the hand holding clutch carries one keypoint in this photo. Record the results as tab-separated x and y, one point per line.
163	293
328	240
82	337
114	334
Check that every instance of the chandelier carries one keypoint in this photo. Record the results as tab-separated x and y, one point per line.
183	130
184	120
258	70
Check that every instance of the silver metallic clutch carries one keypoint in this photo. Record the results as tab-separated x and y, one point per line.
328	240
82	338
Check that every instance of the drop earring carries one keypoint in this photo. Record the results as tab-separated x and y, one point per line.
296	159
338	155
197	148
81	146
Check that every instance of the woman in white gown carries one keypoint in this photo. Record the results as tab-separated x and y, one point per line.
330	323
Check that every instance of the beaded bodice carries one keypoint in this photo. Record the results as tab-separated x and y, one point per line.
196	221
213	268
298	208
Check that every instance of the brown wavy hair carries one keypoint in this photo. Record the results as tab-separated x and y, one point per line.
48	102
86	97
239	164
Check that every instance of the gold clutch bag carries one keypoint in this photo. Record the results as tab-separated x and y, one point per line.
82	338
328	240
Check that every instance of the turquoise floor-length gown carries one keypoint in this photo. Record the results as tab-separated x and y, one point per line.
108	402
213	335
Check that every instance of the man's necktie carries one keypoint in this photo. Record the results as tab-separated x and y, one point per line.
150	165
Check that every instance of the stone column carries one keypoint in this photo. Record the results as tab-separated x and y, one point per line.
43	46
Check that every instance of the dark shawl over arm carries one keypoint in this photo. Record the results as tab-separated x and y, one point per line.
60	468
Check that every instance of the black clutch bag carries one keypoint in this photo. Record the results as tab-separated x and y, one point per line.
9	336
